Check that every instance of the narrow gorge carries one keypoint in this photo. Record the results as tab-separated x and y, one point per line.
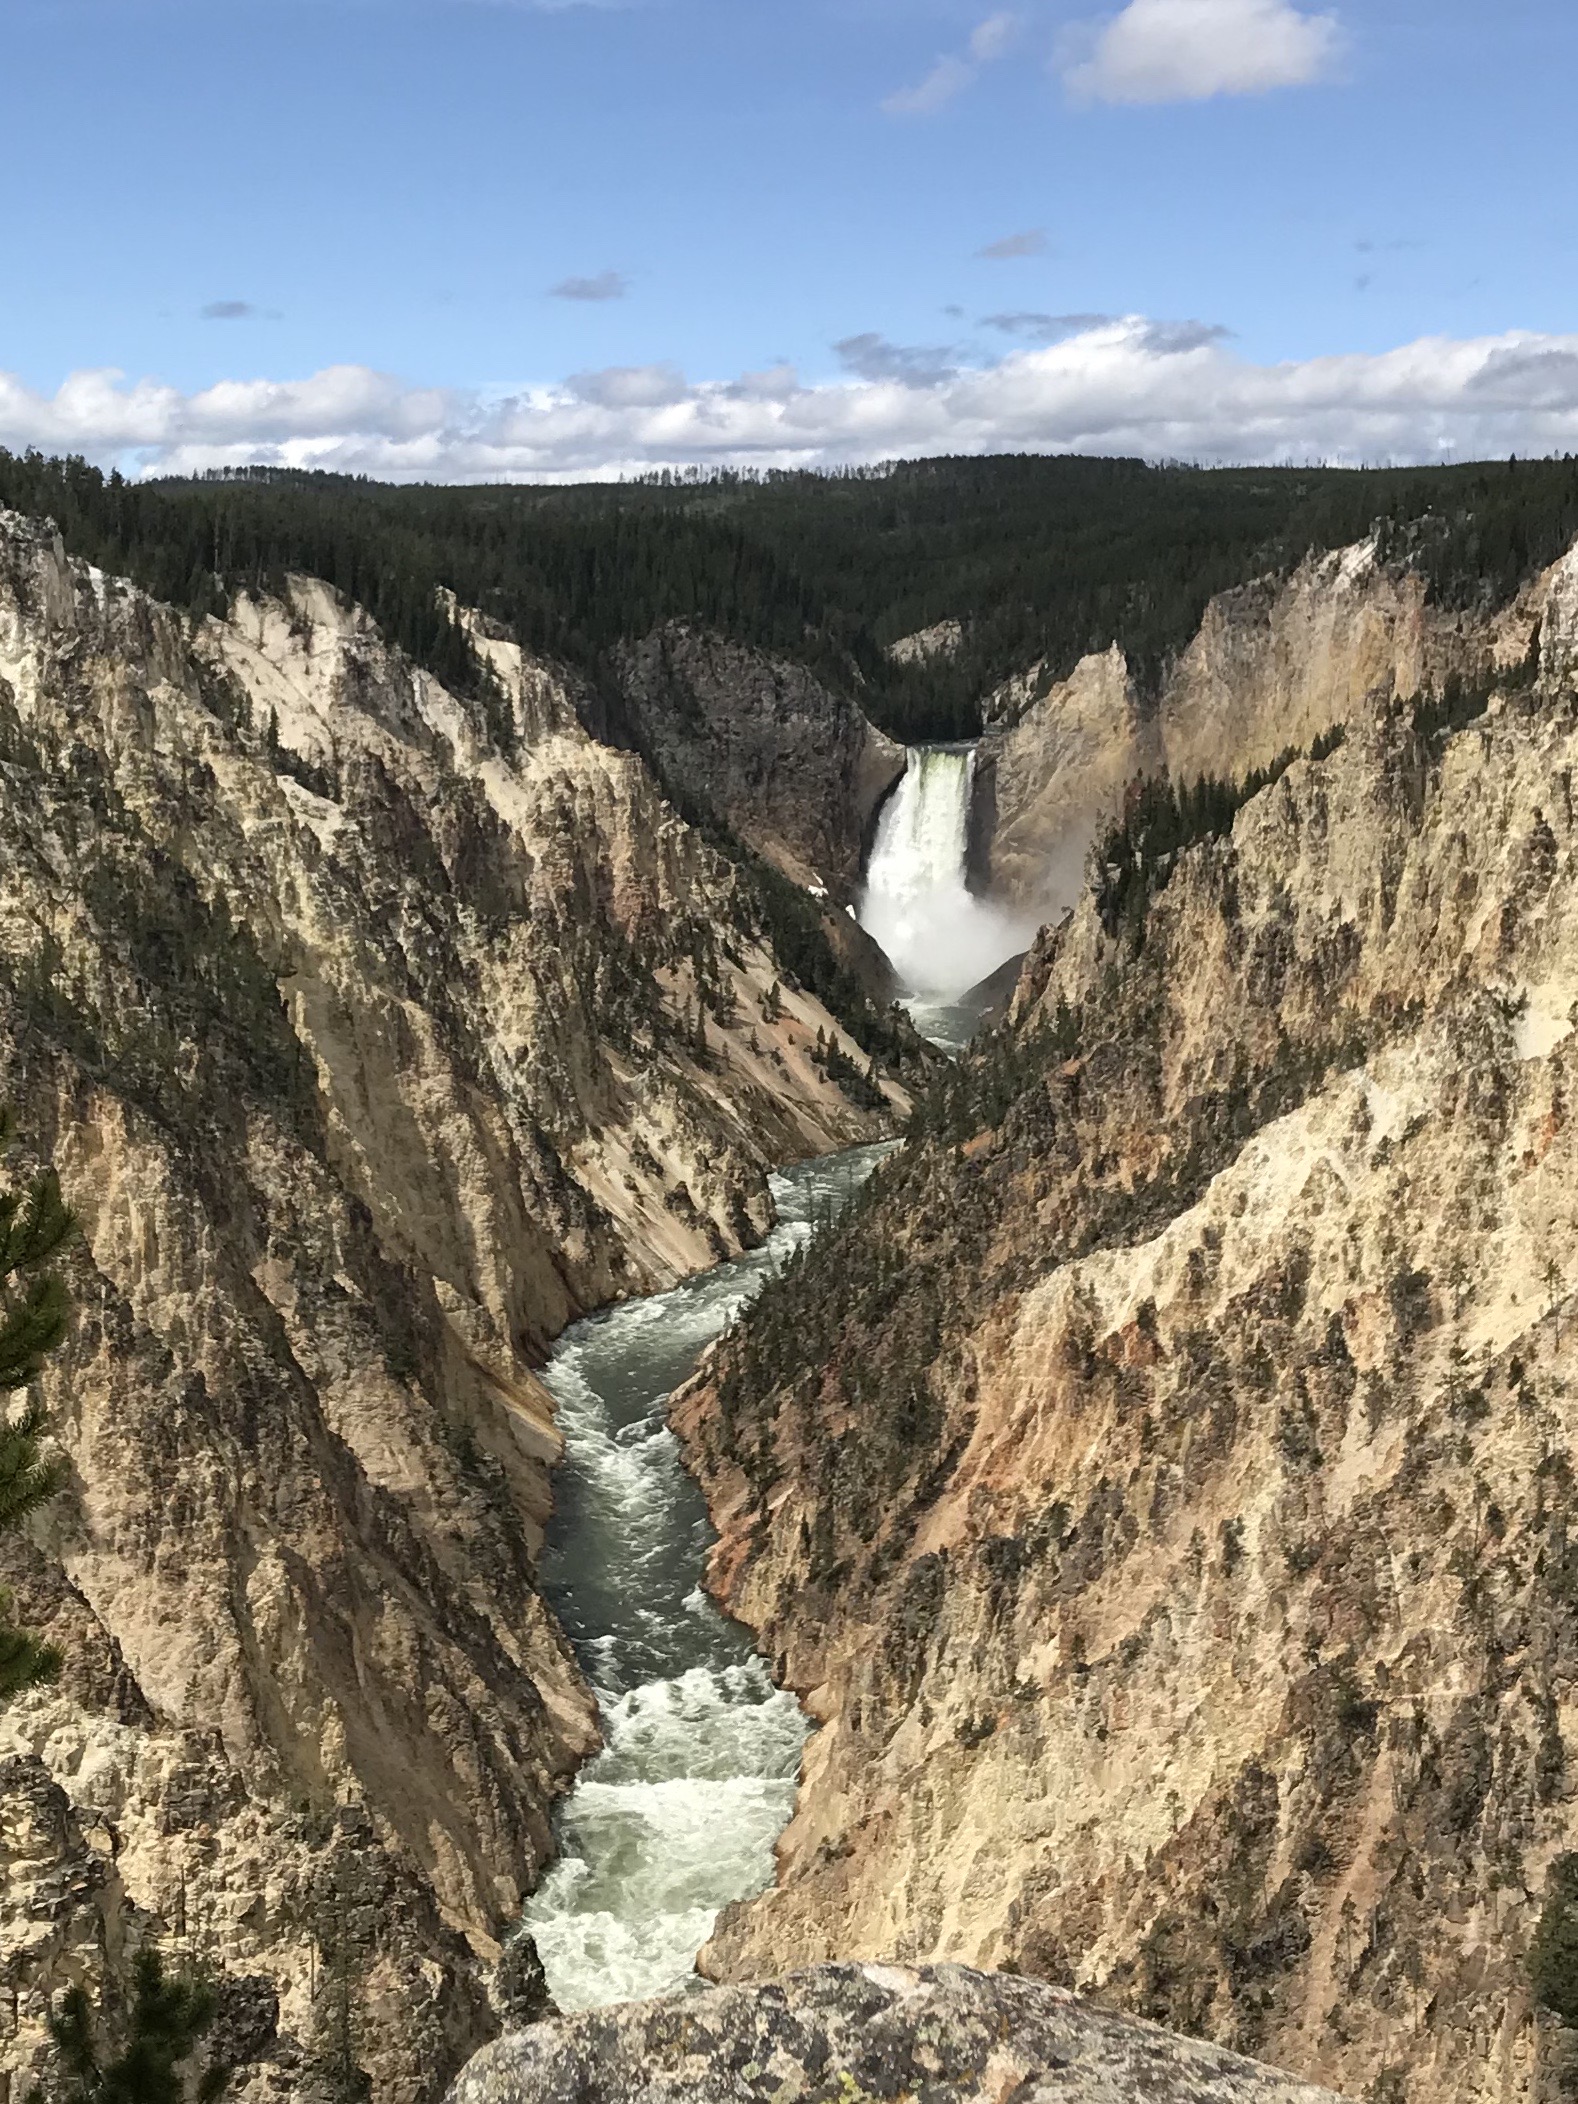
375	1035
678	1814
714	1326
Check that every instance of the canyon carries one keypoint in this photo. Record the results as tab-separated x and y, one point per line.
1275	663
1153	1486
375	1032
1157	1487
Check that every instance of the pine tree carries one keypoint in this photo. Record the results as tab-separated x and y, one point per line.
166	2019
34	1227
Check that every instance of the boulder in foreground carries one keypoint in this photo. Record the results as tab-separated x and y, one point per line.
847	2033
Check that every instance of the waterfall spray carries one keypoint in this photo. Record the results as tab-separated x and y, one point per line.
940	938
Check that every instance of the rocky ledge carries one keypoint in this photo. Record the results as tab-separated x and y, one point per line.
847	2033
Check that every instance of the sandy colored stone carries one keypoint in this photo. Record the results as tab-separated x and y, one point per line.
1214	1649
846	2033
315	1715
1276	663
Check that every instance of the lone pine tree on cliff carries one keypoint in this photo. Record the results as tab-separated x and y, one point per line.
166	2019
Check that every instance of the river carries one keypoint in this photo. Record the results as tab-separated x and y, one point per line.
679	1813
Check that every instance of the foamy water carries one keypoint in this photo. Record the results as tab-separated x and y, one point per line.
940	938
678	1815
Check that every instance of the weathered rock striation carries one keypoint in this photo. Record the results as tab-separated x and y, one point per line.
375	1031
846	2033
1276	663
1159	1486
789	763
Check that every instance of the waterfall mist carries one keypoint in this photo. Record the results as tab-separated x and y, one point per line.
940	938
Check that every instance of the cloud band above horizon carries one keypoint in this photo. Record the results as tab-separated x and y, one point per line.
1130	386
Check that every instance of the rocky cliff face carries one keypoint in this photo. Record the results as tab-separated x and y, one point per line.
1159	1488
858	2032
375	1032
1274	665
793	767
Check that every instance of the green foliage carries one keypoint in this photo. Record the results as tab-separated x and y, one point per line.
1039	559
1553	1956
193	1026
859	1084
792	922
1161	819
1006	1066
160	2029
34	1228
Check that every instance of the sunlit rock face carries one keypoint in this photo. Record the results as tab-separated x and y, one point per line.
1275	664
376	1031
862	2032
1159	1489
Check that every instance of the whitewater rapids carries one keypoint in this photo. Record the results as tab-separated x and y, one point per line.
679	1813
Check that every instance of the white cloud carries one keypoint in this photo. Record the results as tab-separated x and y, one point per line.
990	39
1032	242
953	72
941	84
607	285
1189	50
630	386
1160	389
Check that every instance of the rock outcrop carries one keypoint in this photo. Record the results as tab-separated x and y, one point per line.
942	639
847	2033
1275	664
375	1032
791	765
1159	1486
1045	780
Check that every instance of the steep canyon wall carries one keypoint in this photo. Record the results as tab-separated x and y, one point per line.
1159	1487
1275	663
375	1032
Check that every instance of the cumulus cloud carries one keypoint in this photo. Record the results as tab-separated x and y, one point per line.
1032	242
607	285
1190	50
774	383
1133	386
630	386
955	70
874	358
991	39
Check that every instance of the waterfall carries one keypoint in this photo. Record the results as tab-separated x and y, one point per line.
939	938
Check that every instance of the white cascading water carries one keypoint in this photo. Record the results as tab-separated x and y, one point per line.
678	1815
940	939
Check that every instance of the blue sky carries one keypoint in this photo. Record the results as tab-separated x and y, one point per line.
333	229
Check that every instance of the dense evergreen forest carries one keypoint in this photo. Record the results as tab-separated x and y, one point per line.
1038	558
